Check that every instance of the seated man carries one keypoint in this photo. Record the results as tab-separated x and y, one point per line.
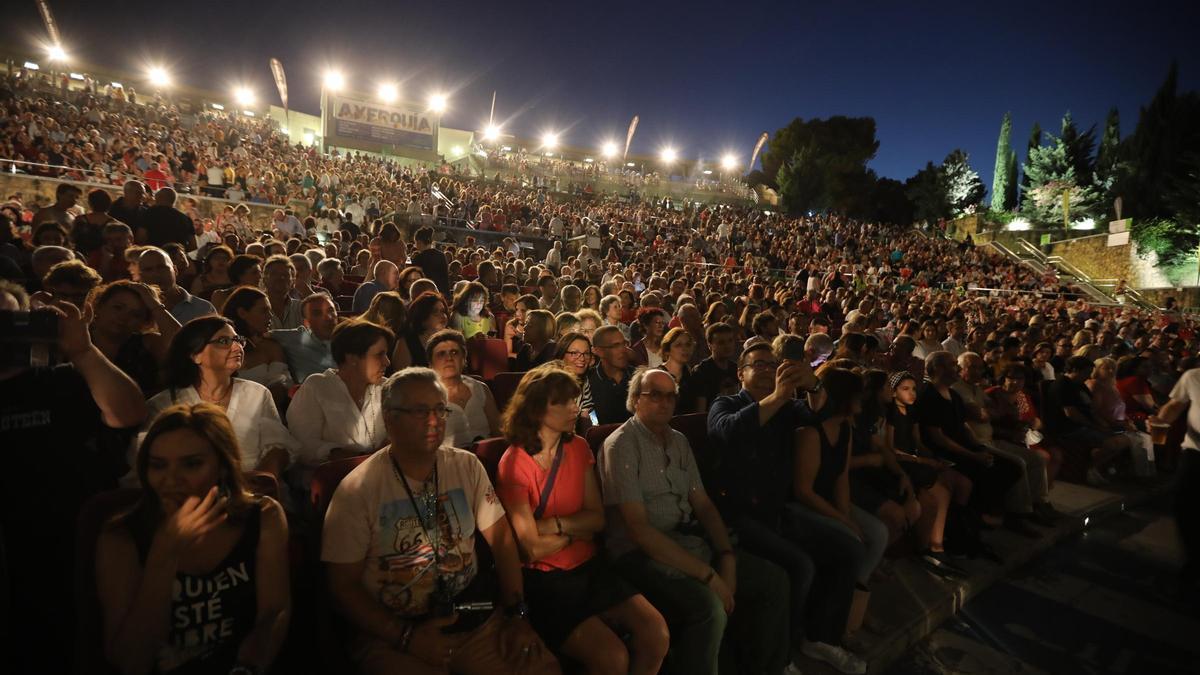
609	378
1070	419
399	543
667	538
943	422
307	347
387	278
157	269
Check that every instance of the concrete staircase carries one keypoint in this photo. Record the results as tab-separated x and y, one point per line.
1099	291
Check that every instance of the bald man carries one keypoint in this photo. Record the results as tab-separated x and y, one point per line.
387	278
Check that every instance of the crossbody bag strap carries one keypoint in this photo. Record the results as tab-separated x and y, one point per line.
549	486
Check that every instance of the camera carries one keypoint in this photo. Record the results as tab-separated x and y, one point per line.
28	339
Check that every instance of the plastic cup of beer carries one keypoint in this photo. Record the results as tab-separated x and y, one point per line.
1158	433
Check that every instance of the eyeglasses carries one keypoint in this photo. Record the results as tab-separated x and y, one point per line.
575	354
659	396
441	412
228	340
449	354
762	365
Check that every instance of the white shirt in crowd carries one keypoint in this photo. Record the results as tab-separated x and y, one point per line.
953	346
464	425
251	411
322	416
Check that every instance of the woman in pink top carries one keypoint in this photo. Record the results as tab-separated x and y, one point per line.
577	604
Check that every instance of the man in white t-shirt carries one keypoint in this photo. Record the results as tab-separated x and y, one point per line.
399	543
1186	396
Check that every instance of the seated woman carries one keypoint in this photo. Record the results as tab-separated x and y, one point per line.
426	316
878	484
676	350
822	515
538	342
1109	407
514	330
469	311
473	413
200	366
194	578
338	414
387	309
575	351
1014	417
547	483
245	270
250	312
133	329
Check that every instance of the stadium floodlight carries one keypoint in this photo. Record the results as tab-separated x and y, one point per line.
456	150
729	162
334	80
550	140
388	92
243	96
491	133
610	149
437	103
668	155
158	76
56	53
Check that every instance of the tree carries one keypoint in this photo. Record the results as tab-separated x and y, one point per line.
927	191
1079	148
964	188
1035	141
821	164
1107	156
1010	196
1000	176
1052	177
890	204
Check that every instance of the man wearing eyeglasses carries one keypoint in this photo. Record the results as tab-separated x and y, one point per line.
307	348
667	538
755	433
609	379
399	543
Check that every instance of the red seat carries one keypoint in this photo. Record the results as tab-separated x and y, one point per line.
486	357
503	386
325	480
353	278
489	451
597	435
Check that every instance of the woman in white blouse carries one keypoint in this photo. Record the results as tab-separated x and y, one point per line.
337	414
250	312
201	361
473	413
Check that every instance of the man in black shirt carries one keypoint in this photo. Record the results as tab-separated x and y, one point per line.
163	223
609	379
717	375
129	207
58	428
942	415
431	261
1069	418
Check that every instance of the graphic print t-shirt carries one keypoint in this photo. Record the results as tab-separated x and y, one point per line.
371	518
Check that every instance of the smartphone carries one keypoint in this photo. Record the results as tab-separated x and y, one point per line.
793	350
594	417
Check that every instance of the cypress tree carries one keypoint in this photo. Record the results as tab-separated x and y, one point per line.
1000	172
1035	142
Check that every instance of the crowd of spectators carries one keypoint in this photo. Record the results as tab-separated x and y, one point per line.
846	391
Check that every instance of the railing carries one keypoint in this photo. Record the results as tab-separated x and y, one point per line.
1086	282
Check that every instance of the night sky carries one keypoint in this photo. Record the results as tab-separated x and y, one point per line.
705	77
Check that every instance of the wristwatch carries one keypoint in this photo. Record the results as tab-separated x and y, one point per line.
518	611
816	387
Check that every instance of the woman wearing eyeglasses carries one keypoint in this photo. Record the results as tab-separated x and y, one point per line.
575	351
473	413
547	483
200	364
676	352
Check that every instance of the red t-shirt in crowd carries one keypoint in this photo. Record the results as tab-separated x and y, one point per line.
520	477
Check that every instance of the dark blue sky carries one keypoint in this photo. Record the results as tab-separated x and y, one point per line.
705	77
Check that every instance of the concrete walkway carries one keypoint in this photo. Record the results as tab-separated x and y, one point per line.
910	607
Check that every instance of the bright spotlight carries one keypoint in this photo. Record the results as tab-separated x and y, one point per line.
549	140
668	155
610	149
158	76
243	96
729	162
388	93
456	150
437	103
56	53
334	80
491	133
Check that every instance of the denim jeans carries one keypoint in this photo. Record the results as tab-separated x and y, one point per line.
757	642
769	542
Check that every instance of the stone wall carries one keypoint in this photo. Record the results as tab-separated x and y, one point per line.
1094	257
